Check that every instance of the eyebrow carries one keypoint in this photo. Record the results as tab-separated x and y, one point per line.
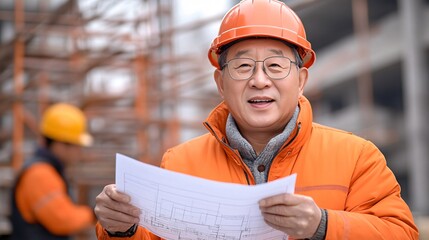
276	51
242	52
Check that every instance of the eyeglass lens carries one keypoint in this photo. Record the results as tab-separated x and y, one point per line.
244	68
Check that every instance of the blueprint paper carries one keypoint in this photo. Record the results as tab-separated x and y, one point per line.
179	206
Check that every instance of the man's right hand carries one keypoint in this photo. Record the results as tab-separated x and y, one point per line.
114	211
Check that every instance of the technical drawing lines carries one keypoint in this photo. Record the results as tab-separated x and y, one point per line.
179	206
181	213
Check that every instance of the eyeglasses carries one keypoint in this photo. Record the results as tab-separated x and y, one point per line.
244	68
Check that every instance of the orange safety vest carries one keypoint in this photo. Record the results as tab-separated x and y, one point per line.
42	208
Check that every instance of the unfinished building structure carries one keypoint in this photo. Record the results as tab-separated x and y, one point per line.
106	57
140	73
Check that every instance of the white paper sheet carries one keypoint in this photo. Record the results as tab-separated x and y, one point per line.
179	206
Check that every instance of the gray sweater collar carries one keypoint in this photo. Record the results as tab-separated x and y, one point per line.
248	154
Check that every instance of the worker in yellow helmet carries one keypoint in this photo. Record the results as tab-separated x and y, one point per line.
41	205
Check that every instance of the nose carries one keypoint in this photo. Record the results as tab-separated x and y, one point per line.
260	79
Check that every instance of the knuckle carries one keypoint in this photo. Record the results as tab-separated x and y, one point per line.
302	224
96	209
99	198
309	211
105	189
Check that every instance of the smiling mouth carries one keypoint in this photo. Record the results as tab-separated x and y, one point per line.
256	101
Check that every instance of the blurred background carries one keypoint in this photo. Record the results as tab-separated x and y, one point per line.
139	70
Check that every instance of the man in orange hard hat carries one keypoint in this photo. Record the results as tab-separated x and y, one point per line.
263	131
41	207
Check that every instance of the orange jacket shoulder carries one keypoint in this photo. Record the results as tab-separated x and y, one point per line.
42	197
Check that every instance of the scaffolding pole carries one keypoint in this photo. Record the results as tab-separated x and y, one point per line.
364	78
416	100
18	108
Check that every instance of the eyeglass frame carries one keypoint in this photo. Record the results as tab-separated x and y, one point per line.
263	67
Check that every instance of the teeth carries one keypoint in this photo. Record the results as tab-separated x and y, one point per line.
260	101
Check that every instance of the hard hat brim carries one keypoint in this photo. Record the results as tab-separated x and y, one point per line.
85	140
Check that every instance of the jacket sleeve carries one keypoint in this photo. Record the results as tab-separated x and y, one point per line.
42	197
141	234
374	207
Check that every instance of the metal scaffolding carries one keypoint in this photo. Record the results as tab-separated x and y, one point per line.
72	53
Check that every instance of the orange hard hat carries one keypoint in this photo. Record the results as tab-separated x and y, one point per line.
65	123
262	18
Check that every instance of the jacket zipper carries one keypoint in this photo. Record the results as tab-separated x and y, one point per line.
293	138
226	145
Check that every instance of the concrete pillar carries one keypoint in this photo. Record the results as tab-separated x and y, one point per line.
416	92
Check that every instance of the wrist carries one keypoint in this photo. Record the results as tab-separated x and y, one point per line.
130	232
320	233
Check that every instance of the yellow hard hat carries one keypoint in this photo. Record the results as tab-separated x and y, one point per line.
65	123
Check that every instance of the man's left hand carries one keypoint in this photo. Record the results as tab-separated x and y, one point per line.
294	214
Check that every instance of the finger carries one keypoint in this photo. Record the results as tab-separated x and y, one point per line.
294	214
124	208
114	194
109	199
280	221
282	199
292	226
282	210
119	217
296	226
114	220
283	228
125	214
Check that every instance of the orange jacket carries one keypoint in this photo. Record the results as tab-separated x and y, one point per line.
41	197
343	173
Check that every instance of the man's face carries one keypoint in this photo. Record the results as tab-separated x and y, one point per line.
69	154
261	104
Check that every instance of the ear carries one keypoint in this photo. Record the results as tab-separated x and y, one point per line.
303	77
218	76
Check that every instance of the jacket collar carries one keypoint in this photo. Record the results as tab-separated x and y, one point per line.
216	122
44	155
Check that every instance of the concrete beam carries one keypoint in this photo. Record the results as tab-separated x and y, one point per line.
342	61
